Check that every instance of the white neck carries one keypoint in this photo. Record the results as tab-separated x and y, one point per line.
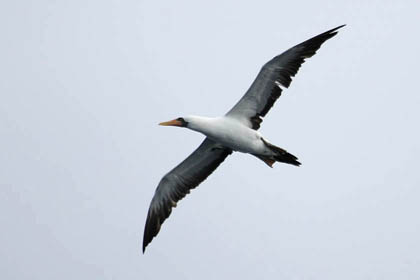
200	124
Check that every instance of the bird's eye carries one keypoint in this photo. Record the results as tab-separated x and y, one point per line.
183	122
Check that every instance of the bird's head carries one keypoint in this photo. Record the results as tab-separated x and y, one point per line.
181	122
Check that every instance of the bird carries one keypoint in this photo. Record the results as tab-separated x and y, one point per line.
236	131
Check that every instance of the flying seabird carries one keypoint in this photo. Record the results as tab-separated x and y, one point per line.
235	131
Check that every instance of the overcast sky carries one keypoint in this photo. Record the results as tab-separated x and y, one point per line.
84	83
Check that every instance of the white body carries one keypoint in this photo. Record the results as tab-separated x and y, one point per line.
231	133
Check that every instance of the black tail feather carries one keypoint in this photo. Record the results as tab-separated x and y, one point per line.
287	158
282	155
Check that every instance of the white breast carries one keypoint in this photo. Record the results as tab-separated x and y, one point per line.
230	133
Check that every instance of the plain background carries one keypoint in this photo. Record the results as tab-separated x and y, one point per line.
84	83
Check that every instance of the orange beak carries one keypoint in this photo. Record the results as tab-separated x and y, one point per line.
172	123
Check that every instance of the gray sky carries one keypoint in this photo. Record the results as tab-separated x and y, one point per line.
84	84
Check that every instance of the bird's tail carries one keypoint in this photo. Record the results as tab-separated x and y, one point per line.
279	155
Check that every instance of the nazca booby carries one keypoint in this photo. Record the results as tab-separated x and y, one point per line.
235	131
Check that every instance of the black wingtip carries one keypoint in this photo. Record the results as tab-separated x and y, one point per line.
334	29
330	33
338	27
147	238
326	35
146	242
144	246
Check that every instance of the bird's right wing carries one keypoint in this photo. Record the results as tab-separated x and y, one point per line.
279	71
179	181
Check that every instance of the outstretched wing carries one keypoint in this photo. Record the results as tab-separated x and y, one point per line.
279	71
179	181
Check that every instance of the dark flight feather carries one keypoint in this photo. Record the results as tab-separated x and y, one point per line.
178	183
265	89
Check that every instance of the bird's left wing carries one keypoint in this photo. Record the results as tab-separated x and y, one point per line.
179	181
279	71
